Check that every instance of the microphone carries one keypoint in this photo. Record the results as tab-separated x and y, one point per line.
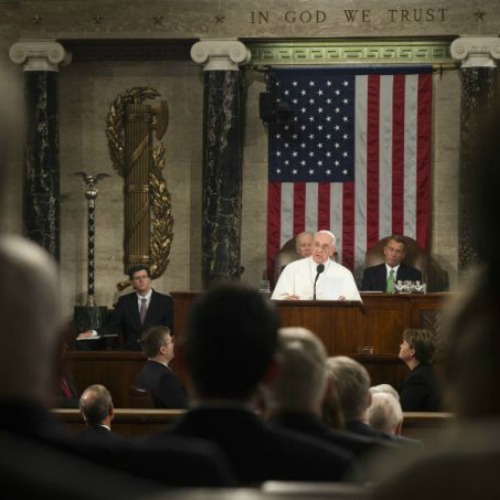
319	269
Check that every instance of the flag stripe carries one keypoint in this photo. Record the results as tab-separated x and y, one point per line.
385	148
373	176
355	159
424	160
398	154
360	169
323	207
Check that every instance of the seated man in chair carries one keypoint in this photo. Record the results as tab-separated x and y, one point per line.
381	278
303	244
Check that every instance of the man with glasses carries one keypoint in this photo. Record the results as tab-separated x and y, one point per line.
318	276
156	375
137	312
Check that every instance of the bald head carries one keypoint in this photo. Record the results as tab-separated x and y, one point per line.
304	243
96	405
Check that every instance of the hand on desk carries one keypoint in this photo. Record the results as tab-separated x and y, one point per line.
291	297
86	335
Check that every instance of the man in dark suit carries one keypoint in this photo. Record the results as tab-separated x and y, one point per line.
156	376
229	349
136	312
96	407
381	278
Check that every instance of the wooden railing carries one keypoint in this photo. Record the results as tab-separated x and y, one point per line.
138	423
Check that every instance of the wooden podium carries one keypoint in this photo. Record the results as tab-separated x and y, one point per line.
348	327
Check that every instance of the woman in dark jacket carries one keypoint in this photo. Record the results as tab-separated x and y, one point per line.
420	390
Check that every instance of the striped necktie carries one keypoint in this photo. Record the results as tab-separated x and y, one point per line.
143	310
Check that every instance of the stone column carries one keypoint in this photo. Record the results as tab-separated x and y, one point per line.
41	188
478	56
223	133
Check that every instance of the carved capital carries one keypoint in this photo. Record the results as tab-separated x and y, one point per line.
220	55
39	55
476	51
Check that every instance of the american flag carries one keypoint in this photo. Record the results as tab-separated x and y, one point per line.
352	156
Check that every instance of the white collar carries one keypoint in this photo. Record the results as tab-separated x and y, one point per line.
388	269
147	296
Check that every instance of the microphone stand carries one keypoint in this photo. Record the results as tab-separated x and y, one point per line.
319	269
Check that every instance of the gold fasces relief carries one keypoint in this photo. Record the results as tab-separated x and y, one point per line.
130	126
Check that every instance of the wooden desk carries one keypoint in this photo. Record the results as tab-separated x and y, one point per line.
370	333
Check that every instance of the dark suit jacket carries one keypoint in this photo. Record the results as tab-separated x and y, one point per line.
164	386
259	451
375	277
420	390
98	435
408	444
190	462
125	317
360	446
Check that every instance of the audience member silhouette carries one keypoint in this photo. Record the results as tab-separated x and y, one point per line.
29	381
230	348
297	392
353	386
96	407
385	413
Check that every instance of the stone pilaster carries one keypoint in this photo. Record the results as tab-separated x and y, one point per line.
223	134
478	57
41	189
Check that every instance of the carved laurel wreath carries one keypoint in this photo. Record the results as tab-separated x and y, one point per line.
162	220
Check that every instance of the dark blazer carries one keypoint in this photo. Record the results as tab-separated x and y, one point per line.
125	318
166	389
259	451
420	391
190	462
408	444
96	434
360	446
375	277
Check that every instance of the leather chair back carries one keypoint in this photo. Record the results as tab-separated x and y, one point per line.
140	398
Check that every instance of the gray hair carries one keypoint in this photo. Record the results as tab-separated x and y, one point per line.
386	388
385	413
301	380
353	385
30	320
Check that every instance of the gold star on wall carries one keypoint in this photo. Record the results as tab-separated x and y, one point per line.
158	19
479	15
98	19
220	19
37	19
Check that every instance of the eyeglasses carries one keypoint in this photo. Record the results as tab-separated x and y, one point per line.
141	277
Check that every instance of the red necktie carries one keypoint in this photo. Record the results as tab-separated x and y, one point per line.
65	388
